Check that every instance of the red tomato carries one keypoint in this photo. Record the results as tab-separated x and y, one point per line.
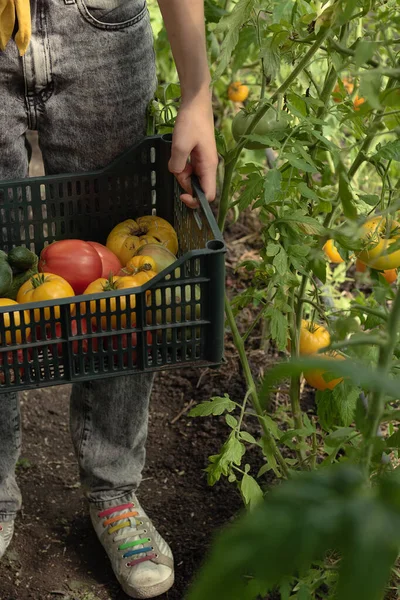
76	346
8	356
123	344
111	263
76	261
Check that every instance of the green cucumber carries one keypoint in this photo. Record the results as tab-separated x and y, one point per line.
22	259
18	281
6	278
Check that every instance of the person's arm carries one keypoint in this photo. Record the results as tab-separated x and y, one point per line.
194	129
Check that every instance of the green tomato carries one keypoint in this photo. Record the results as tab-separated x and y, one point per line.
266	126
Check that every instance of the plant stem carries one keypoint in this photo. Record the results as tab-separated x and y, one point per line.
376	405
233	158
252	391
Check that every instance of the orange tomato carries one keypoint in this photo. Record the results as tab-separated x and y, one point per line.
15	322
357	102
238	92
316	378
128	236
348	86
332	252
390	275
42	287
360	266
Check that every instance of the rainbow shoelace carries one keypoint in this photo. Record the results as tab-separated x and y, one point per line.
120	522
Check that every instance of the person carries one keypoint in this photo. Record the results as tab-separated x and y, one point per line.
84	81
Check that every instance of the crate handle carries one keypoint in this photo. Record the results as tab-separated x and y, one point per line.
205	207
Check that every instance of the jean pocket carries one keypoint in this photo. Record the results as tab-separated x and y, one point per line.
112	14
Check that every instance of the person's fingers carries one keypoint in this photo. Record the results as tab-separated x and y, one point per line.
189	201
184	179
208	180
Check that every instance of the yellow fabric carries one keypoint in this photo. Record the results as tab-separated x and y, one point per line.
10	11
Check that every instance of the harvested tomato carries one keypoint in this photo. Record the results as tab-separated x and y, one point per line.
271	123
77	346
379	234
238	92
111	263
14	320
8	358
74	260
127	237
140	263
332	252
122	343
42	287
316	377
118	303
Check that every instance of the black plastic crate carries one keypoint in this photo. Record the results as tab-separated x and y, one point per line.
179	315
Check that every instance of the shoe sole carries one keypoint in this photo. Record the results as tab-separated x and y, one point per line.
152	591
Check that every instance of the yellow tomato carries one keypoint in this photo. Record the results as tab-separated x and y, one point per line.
112	305
238	92
128	236
140	263
42	287
379	234
316	378
15	322
332	252
313	337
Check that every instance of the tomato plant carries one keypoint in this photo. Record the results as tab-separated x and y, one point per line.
331	71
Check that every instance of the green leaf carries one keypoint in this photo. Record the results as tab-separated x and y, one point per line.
220	464
364	52
213	12
370	87
307	192
272	186
318	267
279	327
216	406
231	421
254	185
230	25
370	199
346	396
273	249
326	409
247	437
306	224
339	436
390	151
251	491
394	440
345	195
300	164
291	529
280	261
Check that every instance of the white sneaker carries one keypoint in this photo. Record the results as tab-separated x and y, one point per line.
141	559
6	533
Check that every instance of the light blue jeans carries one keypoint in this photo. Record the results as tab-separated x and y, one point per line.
84	85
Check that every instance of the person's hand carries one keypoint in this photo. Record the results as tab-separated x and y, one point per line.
194	140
